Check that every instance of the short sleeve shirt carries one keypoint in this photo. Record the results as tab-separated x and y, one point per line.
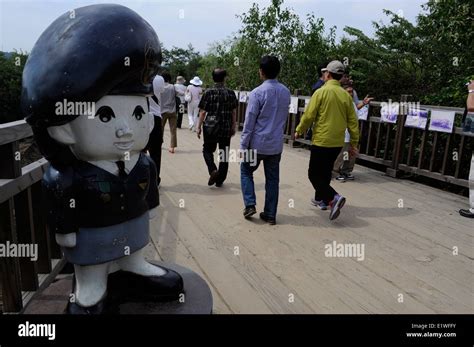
220	102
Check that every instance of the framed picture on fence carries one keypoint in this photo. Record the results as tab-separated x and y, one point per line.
363	113
243	96
442	121
416	118
294	105
389	112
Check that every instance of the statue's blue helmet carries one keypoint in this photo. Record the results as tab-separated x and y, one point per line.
85	54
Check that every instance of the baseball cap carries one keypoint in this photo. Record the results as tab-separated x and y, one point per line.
336	67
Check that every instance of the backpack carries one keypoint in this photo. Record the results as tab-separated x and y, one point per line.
188	97
211	127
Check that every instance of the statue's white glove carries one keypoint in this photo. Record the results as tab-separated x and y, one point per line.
66	240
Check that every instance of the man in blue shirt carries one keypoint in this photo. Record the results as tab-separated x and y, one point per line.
322	73
265	121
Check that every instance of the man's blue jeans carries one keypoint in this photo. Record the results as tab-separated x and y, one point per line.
271	165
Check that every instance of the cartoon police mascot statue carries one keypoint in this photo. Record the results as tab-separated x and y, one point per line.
85	88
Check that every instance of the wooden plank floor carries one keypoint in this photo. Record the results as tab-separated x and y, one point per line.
283	268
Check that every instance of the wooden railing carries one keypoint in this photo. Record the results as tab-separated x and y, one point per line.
440	156
22	222
444	157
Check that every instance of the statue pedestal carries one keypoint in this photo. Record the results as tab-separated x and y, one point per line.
197	297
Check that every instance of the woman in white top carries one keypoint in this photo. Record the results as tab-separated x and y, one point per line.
193	96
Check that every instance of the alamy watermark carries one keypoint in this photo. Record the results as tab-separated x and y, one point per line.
237	156
75	108
37	330
14	250
401	107
345	250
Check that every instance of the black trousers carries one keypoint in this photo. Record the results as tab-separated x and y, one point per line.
320	171
208	149
154	146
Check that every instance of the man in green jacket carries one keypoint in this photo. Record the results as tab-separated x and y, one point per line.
331	112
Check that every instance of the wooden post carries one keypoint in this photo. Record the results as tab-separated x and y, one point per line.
369	137
458	163
42	236
293	123
446	154
397	150
361	133
25	236
240	111
56	252
9	266
387	141
410	148
377	139
422	149
10	160
433	151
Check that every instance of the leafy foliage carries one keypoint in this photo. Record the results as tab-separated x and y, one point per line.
181	62
11	68
272	30
430	59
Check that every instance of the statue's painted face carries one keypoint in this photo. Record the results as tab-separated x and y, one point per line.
121	127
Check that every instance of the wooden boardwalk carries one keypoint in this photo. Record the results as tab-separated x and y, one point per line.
252	267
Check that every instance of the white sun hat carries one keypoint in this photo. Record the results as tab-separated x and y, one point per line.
196	81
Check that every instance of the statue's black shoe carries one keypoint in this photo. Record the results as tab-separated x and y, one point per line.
131	286
466	213
74	308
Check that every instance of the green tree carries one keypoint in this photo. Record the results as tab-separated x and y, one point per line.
272	30
11	69
429	59
182	61
446	32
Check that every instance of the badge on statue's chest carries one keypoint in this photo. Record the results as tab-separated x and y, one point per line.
104	187
143	183
106	198
98	190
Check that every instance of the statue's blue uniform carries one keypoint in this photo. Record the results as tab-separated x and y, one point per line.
108	213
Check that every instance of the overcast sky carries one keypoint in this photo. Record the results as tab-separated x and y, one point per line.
199	22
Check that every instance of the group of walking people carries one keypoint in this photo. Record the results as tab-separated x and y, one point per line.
331	116
168	105
330	122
